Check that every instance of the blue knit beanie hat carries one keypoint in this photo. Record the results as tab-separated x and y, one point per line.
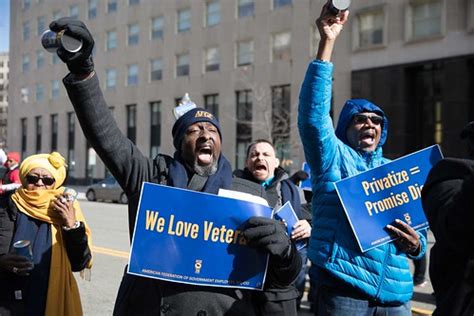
189	118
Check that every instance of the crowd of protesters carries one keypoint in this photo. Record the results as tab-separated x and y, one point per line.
37	208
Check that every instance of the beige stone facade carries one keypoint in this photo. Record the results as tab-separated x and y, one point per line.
211	43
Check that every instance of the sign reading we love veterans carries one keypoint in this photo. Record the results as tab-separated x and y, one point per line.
195	238
375	198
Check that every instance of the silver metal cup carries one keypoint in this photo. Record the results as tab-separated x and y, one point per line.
23	248
337	6
70	194
51	41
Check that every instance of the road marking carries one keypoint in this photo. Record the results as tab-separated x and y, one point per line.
110	252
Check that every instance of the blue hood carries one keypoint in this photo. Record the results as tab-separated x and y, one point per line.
354	106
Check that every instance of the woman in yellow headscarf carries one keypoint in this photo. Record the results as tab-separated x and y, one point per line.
43	214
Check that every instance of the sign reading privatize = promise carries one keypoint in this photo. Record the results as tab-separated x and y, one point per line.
195	238
375	198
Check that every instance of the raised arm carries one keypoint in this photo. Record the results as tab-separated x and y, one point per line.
314	122
118	153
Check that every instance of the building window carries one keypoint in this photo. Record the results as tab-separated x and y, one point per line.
244	126
281	46
184	20
245	8
26	30
132	75
157	28
55	89
213	13
26	4
132	122
244	53
24	133
39	132
25	64
281	3
110	78
39	59
92	9
133	34
74	11
91	158
370	27
25	93
424	19
133	2
155	128
182	65
54	59
212	59
56	15
211	103
71	129
111	6
54	132
281	120
156	69
39	92
470	15
41	24
111	40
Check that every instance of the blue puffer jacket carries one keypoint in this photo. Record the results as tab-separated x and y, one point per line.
381	274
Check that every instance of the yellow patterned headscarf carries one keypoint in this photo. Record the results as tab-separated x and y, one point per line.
54	163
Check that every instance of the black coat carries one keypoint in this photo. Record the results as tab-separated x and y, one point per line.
77	249
143	296
448	201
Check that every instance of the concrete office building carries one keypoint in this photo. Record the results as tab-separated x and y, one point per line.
3	98
244	60
416	59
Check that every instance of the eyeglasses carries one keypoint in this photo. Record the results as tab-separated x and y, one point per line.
32	179
362	118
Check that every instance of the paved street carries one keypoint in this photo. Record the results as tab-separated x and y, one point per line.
108	222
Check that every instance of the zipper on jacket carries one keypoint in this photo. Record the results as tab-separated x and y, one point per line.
382	276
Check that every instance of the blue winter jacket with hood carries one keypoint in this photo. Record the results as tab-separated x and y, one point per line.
381	274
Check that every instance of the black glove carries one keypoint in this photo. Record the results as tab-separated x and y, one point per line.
269	235
79	63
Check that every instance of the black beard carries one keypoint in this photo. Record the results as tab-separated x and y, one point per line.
205	171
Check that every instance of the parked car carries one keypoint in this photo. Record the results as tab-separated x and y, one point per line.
106	190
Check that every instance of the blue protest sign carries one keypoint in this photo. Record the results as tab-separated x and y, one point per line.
306	184
195	238
375	198
287	214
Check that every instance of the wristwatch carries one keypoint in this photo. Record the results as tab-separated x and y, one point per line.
76	225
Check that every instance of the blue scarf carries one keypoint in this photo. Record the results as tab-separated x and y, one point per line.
35	286
178	176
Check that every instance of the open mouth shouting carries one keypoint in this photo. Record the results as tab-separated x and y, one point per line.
260	170
205	153
367	138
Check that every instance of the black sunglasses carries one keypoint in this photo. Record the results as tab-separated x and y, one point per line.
32	179
362	118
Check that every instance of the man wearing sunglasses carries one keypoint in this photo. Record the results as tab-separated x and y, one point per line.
348	281
11	180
